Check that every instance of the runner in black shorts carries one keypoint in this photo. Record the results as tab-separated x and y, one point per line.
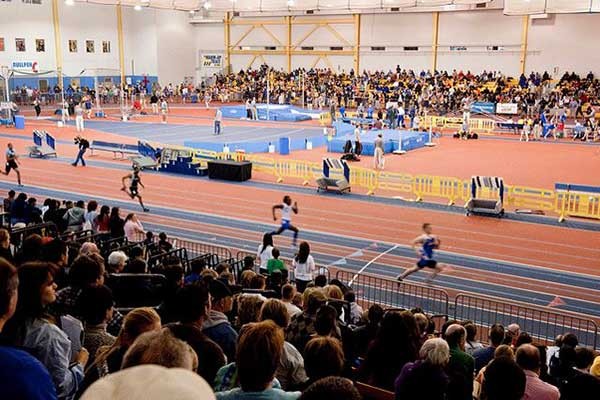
134	182
12	162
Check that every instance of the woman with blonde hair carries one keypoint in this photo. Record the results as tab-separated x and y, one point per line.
109	359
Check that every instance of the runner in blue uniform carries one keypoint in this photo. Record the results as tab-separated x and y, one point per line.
424	245
286	217
134	181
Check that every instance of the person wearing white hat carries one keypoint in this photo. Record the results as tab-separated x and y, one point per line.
150	382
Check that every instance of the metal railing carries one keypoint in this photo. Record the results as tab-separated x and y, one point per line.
390	293
542	323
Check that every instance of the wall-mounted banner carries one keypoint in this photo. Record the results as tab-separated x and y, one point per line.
507	108
29	66
211	60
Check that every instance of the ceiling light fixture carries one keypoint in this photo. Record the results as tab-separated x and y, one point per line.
137	7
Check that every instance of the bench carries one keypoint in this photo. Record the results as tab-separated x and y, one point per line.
144	162
369	392
115	148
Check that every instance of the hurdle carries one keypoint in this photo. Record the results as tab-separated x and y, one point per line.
44	145
493	185
326	183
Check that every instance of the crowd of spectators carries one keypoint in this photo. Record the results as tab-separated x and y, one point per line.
249	334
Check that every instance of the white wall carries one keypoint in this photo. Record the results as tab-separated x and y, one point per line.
176	46
140	42
567	42
38	25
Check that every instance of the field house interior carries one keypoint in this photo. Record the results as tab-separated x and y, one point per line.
477	117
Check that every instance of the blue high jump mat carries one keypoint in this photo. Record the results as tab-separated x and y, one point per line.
276	112
410	140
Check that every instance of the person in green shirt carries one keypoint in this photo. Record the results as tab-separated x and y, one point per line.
275	264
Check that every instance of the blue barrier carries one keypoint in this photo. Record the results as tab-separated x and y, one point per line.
567	187
410	141
284	146
276	112
19	122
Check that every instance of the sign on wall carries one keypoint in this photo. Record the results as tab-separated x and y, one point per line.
29	66
211	60
507	108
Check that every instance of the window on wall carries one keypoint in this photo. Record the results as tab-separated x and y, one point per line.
1	44
20	44
32	1
72	46
40	45
106	46
89	46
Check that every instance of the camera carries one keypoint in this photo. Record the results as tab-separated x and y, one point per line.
77	139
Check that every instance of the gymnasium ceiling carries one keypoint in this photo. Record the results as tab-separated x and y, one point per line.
511	7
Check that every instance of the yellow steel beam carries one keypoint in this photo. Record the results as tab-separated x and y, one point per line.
314	64
244	21
524	43
121	43
337	34
251	62
288	47
245	35
357	44
328	61
257	52
228	42
293	52
435	40
264	28
57	42
308	34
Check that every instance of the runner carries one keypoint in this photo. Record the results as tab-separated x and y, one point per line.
286	217
427	243
134	181
12	162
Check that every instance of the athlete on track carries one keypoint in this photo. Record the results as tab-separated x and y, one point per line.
134	181
12	162
424	245
286	217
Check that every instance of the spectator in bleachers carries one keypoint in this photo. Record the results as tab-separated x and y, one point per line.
523	338
326	322
323	357
23	376
363	335
298	300
484	355
320	281
287	294
197	266
133	227
302	325
528	358
246	278
137	263
290	372
193	308
503	350
8	201
116	262
17	209
217	326
275	282
563	361
356	311
265	251
580	383
174	281
249	306
504	380
57	253
461	367
472	344
249	263
422	325
116	224
53	212
102	221
160	347
74	217
275	264
90	215
109	359
257	358
395	344
33	329
425	378
512	333
163	244
31	249
96	309
150	382
332	387
304	266
88	248
5	249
